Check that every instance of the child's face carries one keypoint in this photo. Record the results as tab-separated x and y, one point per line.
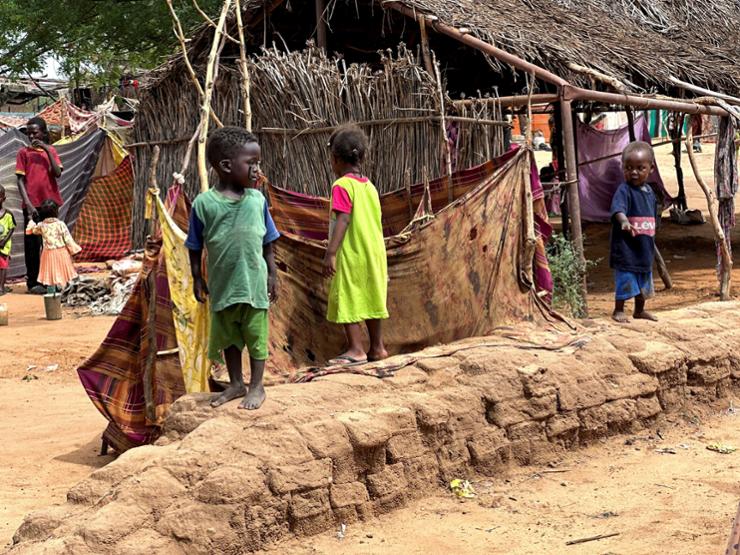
638	165
34	133
244	167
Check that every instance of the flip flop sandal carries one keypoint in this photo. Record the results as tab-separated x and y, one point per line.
346	361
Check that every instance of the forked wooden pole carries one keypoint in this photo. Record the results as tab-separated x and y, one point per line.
180	34
246	82
443	125
207	94
425	52
725	282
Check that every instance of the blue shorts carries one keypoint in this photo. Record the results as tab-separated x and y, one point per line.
631	284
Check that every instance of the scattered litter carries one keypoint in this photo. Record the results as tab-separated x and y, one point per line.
100	295
462	488
660	435
732	410
369	536
606	514
52	368
342	530
31	367
29	377
665	486
721	449
665	450
684	446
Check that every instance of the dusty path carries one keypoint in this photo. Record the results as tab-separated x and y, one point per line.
49	428
681	503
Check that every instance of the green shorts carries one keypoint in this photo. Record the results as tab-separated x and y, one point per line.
239	325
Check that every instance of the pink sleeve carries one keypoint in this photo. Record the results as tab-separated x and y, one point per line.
340	201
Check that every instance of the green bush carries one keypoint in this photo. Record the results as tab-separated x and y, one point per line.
568	272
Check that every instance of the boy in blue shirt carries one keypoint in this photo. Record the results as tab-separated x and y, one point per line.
232	222
634	213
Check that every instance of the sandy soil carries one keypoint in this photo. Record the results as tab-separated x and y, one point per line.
51	438
681	503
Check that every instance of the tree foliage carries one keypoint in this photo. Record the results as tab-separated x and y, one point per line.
91	38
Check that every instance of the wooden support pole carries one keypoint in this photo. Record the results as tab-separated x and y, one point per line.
557	142
207	93
443	126
676	133
151	287
210	22
425	51
631	123
320	24
571	172
246	82
662	269
180	34
725	283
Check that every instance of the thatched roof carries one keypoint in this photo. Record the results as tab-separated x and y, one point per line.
640	41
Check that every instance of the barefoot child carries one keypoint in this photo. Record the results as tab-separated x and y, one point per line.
634	212
37	168
56	268
7	226
232	222
355	256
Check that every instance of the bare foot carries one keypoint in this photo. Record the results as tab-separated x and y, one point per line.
230	393
374	356
254	398
621	317
645	315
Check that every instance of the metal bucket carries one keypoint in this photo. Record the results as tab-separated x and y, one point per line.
53	307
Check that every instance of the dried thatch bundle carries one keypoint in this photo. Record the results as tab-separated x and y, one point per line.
297	99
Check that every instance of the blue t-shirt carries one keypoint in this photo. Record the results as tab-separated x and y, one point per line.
628	253
195	240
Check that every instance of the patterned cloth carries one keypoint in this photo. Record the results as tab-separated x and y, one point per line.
115	377
103	229
66	114
191	318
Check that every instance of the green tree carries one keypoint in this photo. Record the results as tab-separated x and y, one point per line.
94	38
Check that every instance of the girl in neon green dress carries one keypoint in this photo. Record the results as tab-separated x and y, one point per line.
355	256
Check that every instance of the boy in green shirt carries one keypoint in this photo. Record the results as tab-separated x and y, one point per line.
232	222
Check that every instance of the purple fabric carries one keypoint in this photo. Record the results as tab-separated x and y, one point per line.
597	182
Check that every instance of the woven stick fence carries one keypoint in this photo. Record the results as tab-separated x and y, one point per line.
298	98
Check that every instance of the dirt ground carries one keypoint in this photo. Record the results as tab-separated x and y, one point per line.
682	503
686	501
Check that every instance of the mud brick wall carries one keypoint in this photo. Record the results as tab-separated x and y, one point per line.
351	447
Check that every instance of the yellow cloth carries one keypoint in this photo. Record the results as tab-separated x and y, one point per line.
192	319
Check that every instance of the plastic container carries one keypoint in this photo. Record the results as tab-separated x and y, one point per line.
53	307
3	314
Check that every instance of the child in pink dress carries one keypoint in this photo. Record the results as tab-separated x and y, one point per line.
57	269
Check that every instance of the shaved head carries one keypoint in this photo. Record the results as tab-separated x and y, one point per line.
639	149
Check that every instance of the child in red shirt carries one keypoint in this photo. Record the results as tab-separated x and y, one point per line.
37	168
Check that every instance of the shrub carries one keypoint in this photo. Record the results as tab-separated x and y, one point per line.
568	273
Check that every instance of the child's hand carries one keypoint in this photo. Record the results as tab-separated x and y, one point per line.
272	288
330	265
38	144
628	227
200	290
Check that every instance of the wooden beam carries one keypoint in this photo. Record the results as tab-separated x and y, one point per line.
320	23
246	82
701	90
571	172
425	52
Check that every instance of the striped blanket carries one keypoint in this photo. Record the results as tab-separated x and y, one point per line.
115	376
103	229
78	158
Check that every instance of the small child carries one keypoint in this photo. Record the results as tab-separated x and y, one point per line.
56	269
7	226
37	169
232	222
355	256
634	213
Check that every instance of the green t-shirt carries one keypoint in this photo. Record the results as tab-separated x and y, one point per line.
7	224
233	234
